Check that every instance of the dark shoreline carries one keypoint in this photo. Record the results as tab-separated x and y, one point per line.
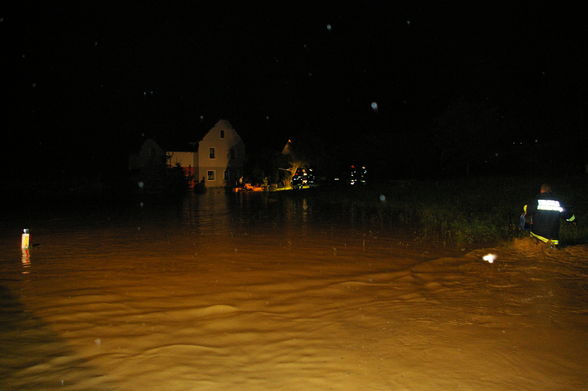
457	212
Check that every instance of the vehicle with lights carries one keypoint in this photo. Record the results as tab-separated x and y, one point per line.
303	178
357	175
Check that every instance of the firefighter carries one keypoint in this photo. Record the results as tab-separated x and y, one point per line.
543	214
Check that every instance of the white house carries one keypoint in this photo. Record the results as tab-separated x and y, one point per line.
218	158
221	156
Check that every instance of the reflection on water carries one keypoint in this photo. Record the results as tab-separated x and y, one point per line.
26	260
217	212
214	213
209	212
196	224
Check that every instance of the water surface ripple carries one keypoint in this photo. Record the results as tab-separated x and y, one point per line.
257	292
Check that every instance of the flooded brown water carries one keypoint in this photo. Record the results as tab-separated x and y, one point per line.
257	292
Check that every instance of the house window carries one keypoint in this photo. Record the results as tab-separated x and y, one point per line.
211	153
211	175
222	134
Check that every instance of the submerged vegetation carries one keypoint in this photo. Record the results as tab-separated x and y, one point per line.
462	212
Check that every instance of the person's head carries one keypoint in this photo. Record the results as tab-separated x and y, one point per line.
545	188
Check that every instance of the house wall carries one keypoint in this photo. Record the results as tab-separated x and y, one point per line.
229	155
184	159
147	167
187	161
149	156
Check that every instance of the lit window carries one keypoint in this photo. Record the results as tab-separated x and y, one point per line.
211	175
211	153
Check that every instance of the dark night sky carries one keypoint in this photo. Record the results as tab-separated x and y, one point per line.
88	79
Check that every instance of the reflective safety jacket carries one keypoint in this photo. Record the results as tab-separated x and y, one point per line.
544	214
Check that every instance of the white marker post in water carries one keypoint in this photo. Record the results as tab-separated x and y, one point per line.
24	242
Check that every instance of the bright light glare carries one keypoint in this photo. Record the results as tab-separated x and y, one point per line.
489	258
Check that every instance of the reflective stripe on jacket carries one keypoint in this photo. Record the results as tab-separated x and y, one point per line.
546	212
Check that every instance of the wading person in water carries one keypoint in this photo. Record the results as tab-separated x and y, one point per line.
542	216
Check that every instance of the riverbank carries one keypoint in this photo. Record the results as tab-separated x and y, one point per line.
459	212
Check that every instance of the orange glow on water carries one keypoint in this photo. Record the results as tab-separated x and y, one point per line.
217	300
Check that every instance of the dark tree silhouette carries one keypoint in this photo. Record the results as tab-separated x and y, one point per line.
465	136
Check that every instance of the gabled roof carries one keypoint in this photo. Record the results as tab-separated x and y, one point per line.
178	139
225	123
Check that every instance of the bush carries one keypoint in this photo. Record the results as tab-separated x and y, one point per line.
463	212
